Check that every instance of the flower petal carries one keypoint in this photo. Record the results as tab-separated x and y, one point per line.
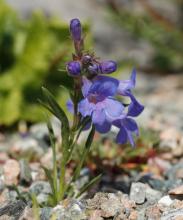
130	124
105	86
122	136
85	107
86	86
70	106
127	85
130	138
104	128
135	108
98	116
113	107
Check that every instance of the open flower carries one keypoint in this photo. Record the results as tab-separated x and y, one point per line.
99	103
124	89
127	128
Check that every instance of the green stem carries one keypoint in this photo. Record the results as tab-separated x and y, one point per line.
62	180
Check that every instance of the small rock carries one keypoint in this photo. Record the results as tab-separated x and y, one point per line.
2	185
96	215
11	170
165	200
3	157
42	190
45	213
152	195
25	171
111	206
28	148
172	214
177	191
179	173
153	213
133	215
138	192
28	214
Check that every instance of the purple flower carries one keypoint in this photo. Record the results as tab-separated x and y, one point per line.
107	67
73	68
124	89
75	29
99	103
127	127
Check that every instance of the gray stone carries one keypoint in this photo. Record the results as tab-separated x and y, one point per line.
2	185
42	190
39	187
138	192
45	213
152	195
165	200
13	209
25	171
172	214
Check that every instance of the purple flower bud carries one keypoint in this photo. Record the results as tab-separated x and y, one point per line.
107	67
74	68
93	69
86	59
75	29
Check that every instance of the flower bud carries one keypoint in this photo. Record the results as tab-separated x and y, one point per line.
73	68
75	29
86	59
107	67
93	69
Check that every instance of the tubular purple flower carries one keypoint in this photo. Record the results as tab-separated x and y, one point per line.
99	103
107	67
76	29
73	68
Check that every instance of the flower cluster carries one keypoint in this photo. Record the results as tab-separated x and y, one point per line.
99	91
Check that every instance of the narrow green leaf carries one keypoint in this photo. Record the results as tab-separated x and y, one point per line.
50	179
60	114
88	185
85	153
52	140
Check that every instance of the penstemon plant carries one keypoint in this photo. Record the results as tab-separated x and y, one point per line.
94	106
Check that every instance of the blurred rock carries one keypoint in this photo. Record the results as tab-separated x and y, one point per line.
177	191
25	171
165	200
47	159
153	213
42	190
152	195
45	213
3	157
27	147
138	192
176	214
11	171
13	209
27	214
112	205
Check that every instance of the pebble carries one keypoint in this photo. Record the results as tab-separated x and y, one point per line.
11	170
138	192
25	171
165	200
176	191
174	214
42	190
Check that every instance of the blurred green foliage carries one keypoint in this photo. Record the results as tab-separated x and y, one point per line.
33	53
161	33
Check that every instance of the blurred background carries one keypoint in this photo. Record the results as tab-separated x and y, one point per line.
35	45
34	48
